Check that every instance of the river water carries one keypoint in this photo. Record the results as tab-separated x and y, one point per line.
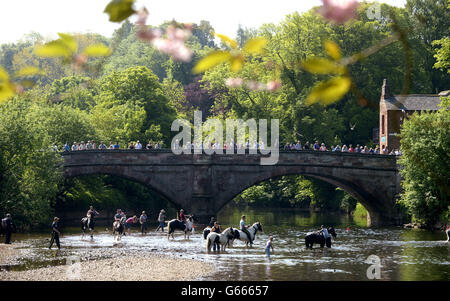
405	254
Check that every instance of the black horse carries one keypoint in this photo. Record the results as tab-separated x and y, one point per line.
176	224
317	237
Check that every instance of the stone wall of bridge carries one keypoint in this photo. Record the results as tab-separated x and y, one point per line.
203	184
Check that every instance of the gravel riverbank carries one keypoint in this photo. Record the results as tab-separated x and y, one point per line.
9	253
132	268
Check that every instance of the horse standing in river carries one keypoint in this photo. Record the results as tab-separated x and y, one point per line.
178	225
317	237
239	234
219	240
118	229
87	223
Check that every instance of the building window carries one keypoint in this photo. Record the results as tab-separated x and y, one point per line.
382	125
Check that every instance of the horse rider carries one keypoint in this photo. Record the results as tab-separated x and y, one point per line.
92	213
182	216
8	228
55	234
244	229
216	228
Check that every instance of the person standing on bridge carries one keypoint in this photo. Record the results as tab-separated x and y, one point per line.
316	146
102	146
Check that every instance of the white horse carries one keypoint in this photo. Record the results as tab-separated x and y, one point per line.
239	234
178	225
220	240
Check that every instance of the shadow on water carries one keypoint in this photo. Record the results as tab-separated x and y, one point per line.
405	254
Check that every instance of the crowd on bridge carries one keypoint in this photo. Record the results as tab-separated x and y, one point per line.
296	146
91	145
345	149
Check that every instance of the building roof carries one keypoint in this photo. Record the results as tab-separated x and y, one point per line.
413	102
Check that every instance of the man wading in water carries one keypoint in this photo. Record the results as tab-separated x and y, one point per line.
55	234
8	228
92	213
161	220
143	220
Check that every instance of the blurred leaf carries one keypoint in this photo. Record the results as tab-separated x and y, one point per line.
255	45
329	91
28	71
226	40
55	48
7	90
236	63
333	50
69	41
322	66
97	50
211	60
4	76
119	10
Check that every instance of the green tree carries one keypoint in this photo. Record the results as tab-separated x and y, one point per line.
134	92
29	170
425	161
442	54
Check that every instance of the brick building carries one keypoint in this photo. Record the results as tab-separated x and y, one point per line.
395	108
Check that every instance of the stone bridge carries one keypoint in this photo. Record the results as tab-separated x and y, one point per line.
202	184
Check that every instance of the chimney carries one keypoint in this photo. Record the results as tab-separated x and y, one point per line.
385	91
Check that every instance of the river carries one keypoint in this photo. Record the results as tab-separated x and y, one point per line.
405	254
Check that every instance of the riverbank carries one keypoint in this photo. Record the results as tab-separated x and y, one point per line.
9	253
128	268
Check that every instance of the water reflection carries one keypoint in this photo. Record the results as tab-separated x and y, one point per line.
405	254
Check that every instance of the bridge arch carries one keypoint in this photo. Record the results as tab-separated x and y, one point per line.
348	187
125	174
